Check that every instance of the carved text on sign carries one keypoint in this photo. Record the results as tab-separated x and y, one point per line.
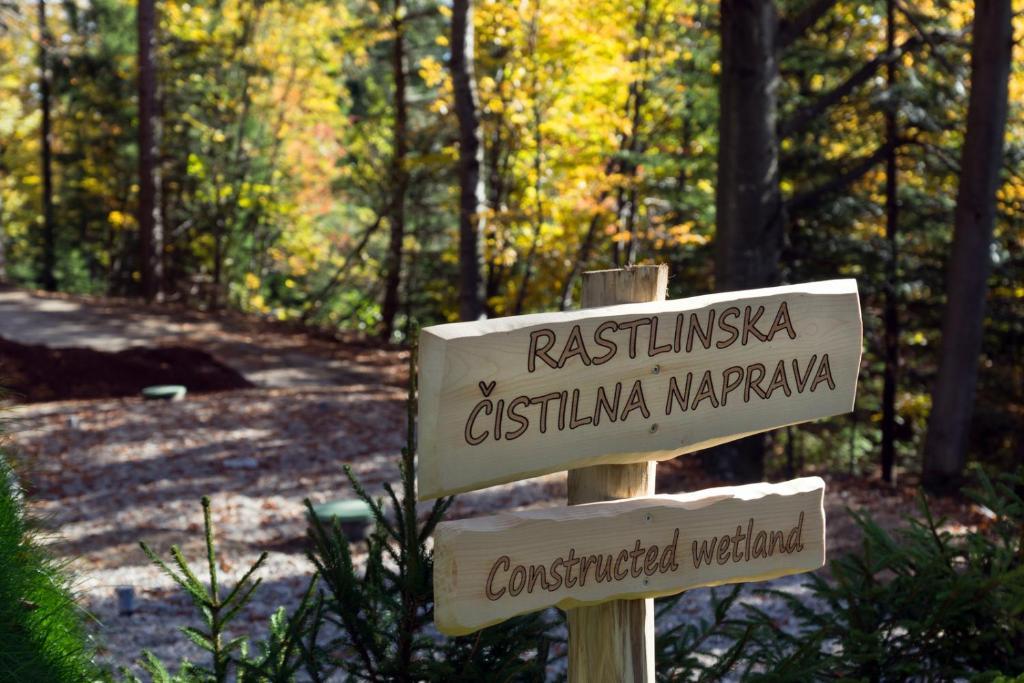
609	337
506	579
563	410
490	569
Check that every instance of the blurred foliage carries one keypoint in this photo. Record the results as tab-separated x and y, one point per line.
41	627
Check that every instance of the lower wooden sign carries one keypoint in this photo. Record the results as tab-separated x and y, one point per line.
489	569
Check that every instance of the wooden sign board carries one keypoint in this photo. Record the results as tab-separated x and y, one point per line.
510	398
489	569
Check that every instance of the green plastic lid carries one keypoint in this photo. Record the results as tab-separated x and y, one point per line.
164	391
349	510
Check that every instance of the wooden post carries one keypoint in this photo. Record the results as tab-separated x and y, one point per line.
614	641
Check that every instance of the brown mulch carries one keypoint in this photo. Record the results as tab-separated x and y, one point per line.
36	374
267	353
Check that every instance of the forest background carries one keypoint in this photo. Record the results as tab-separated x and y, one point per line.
374	166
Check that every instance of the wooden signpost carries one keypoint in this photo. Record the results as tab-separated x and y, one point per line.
491	568
511	398
604	393
615	638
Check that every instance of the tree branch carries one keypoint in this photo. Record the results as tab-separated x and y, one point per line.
797	121
853	173
791	29
926	36
313	304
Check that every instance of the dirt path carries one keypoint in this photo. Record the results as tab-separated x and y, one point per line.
267	357
105	474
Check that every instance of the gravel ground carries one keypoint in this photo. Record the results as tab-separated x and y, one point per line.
106	474
267	355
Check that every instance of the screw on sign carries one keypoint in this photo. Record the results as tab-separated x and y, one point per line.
605	392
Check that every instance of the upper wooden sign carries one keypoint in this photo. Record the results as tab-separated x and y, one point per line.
491	568
510	398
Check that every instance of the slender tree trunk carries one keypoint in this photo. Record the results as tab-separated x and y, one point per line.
891	315
218	261
620	202
527	272
945	449
399	174
629	257
538	166
748	199
538	222
3	234
49	255
149	216
627	252
471	187
582	258
495	188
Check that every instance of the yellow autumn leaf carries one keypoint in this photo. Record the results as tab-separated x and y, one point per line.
682	228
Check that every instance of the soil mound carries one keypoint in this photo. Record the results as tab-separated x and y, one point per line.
35	373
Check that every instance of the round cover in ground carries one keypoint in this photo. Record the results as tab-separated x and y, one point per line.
164	392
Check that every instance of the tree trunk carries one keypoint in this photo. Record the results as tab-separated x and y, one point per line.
471	188
582	257
538	164
748	201
149	215
627	252
3	235
495	188
945	450
538	221
891	314
49	254
214	299
399	175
